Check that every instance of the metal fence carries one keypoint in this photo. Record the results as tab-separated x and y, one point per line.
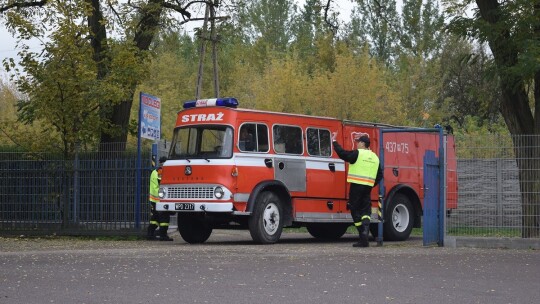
94	193
90	193
492	200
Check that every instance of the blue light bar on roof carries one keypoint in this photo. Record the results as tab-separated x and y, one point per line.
220	102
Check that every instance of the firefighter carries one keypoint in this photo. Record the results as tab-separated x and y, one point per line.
157	219
364	173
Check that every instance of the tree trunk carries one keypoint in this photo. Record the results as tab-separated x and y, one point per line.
118	115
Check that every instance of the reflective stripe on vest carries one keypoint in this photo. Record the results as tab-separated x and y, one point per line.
364	170
154	187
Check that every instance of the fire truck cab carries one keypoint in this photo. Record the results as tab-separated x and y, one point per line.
233	168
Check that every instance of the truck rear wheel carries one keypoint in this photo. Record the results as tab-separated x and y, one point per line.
266	221
193	228
327	231
399	220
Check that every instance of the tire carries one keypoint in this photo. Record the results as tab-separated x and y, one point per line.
399	219
193	228
266	221
327	231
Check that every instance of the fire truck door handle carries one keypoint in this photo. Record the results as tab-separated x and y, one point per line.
268	162
332	167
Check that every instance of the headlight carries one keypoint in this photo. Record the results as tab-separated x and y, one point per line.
161	192
218	192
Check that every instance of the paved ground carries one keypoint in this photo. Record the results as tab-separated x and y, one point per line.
229	268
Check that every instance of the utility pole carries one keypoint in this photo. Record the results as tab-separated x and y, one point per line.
202	51
210	13
214	38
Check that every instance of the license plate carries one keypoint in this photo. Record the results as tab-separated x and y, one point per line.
184	206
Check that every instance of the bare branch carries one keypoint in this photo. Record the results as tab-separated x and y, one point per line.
177	8
223	18
330	24
19	5
111	6
133	5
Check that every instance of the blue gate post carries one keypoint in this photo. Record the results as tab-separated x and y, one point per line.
154	156
382	190
442	190
431	199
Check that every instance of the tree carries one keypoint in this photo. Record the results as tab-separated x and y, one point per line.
512	31
135	24
379	23
61	105
467	86
267	23
356	89
422	28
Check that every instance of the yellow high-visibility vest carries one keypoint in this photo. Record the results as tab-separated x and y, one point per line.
364	170
154	187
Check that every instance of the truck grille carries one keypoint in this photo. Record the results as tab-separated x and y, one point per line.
203	192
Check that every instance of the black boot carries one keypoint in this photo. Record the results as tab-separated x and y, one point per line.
150	233
363	233
163	234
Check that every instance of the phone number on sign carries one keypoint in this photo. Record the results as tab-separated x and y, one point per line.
152	132
392	146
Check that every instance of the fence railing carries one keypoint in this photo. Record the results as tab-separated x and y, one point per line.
498	190
89	193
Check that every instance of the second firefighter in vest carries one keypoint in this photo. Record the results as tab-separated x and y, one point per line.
157	218
364	173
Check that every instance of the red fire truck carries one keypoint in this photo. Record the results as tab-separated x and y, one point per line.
233	168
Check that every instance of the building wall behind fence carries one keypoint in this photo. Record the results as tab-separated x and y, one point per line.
42	192
488	196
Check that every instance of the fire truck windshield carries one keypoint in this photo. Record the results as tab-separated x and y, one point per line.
206	142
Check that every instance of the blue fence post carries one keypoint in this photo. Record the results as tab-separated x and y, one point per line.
76	187
138	176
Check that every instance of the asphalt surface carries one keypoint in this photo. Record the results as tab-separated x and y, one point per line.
229	268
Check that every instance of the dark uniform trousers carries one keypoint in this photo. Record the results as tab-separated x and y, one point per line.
360	203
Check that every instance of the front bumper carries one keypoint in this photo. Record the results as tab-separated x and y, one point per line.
198	207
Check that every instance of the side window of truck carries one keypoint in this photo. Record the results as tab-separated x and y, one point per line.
318	142
253	138
287	139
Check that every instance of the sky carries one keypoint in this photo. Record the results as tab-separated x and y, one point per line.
8	43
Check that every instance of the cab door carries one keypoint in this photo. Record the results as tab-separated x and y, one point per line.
288	162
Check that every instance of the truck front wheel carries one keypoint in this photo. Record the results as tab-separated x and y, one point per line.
266	221
193	228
